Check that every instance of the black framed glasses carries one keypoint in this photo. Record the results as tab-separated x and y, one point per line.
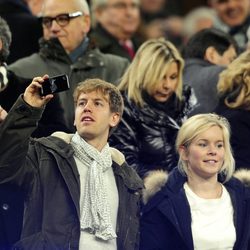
62	19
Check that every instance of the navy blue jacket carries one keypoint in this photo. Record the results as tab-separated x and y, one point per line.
166	218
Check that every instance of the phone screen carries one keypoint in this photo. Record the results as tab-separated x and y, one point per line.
54	85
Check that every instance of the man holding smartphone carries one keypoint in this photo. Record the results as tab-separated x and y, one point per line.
81	194
66	49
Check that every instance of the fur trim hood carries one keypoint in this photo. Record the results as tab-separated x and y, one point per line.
156	180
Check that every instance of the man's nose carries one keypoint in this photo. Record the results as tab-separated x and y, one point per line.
87	107
55	26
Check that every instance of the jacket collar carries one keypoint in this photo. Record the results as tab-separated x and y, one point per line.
53	49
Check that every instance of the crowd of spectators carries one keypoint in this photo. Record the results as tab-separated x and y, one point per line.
169	66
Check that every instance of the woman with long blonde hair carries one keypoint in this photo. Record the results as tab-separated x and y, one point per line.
155	106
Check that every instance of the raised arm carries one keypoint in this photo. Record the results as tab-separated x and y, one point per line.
17	127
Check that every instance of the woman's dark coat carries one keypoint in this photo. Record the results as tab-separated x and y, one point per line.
146	135
166	217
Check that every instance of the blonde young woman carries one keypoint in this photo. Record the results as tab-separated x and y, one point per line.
199	205
234	91
155	107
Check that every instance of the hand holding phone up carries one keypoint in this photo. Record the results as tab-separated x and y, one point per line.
54	84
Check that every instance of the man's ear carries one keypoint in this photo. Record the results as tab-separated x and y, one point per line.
211	55
1	44
87	22
98	12
114	120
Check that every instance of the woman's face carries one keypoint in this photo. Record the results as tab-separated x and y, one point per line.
205	155
167	86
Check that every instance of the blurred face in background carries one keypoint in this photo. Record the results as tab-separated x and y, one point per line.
71	34
231	12
121	18
152	6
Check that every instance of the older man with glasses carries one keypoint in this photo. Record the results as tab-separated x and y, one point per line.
66	49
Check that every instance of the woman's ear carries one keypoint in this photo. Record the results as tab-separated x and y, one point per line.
183	152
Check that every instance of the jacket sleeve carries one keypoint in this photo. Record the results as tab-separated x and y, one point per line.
15	132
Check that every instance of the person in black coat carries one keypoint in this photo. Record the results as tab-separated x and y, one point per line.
234	92
199	205
155	107
11	86
26	28
206	54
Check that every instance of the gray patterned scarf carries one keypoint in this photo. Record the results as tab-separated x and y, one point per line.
95	210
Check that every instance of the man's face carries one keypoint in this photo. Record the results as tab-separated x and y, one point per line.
231	12
226	58
120	17
72	34
152	6
93	118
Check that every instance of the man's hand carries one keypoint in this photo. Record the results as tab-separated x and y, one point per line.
32	93
3	114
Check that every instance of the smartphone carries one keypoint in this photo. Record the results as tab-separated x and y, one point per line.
54	85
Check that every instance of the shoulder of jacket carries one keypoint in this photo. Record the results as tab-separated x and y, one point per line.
63	136
111	57
117	156
153	183
243	175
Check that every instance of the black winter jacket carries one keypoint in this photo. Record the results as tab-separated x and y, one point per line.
50	178
239	120
109	44
146	135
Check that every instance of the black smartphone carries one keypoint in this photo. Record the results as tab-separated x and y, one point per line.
55	84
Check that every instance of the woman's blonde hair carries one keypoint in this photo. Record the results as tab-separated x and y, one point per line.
149	66
234	83
196	125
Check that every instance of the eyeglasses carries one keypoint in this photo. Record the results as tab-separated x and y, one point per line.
62	19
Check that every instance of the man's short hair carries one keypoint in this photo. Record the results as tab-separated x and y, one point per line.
5	36
197	45
109	91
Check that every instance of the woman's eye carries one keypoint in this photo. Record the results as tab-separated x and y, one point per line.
173	77
202	145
